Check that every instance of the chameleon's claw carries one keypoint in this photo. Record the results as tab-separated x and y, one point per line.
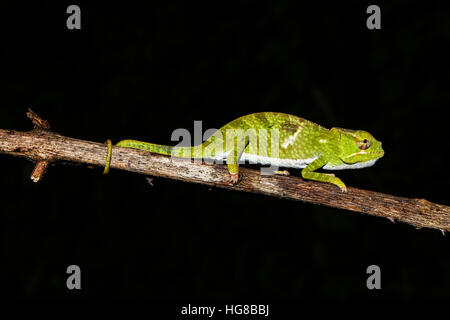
338	182
234	178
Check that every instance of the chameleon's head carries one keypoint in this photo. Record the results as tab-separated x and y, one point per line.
357	146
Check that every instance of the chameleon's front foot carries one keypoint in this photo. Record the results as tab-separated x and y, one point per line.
338	182
324	177
343	188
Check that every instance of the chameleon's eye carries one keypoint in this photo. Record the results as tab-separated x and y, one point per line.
364	145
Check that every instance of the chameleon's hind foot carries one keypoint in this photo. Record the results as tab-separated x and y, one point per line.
234	177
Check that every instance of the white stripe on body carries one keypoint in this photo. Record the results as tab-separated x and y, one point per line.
293	163
288	163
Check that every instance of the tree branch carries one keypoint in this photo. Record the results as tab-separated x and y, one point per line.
43	146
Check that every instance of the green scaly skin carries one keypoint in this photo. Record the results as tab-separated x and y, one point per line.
301	144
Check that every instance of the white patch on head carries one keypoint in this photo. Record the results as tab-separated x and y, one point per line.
291	139
344	166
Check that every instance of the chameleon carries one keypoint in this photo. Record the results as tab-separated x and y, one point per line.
280	140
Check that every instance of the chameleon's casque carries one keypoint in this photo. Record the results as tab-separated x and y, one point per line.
278	139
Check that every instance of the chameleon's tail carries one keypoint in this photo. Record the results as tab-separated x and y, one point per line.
155	148
180	152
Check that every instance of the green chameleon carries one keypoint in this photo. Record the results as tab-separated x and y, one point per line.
280	140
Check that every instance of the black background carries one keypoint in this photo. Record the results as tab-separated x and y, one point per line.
136	71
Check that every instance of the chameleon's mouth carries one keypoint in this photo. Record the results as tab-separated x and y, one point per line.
376	154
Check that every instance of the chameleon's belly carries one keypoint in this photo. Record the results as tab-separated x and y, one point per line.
257	159
301	163
287	163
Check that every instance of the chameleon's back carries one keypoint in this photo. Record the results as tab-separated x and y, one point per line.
293	135
266	120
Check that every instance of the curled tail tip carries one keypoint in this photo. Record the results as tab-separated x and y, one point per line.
108	156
